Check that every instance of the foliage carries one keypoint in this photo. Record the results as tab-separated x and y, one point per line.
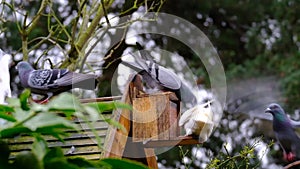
51	119
253	39
245	159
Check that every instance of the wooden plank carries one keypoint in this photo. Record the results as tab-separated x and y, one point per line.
138	130
116	139
150	120
144	119
89	156
174	116
163	110
151	158
87	141
75	136
155	117
79	149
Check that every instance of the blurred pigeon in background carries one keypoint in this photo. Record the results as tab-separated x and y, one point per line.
158	77
285	132
50	82
5	90
198	121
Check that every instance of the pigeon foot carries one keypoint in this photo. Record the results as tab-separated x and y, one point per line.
289	156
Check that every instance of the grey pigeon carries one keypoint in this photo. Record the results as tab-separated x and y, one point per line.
50	82
157	76
284	132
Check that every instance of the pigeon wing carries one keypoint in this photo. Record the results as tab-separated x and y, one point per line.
144	54
142	62
40	79
46	78
165	77
187	95
77	80
186	116
295	124
133	66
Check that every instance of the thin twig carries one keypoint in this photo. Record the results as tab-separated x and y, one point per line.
105	14
91	48
295	163
101	99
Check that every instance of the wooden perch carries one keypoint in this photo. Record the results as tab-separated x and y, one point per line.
101	99
295	163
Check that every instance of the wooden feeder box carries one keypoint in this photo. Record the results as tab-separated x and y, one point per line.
155	117
153	122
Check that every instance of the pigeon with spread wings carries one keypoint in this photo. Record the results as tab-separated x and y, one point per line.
198	121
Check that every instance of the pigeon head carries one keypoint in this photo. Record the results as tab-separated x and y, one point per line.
275	109
24	66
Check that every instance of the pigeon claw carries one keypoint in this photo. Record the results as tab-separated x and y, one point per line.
289	156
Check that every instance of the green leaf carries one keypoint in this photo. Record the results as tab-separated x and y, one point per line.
108	106
21	114
23	99
55	159
60	163
7	117
4	155
4	149
27	160
93	113
114	123
121	105
12	132
55	131
55	152
39	107
39	147
6	109
82	163
46	119
14	102
66	103
116	163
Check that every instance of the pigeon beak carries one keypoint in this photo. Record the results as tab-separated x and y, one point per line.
268	110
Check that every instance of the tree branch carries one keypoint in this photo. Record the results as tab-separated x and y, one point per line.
90	30
85	35
295	163
26	29
37	16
